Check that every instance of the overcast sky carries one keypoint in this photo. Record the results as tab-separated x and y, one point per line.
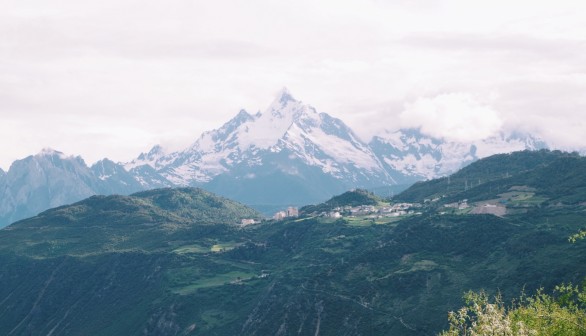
112	78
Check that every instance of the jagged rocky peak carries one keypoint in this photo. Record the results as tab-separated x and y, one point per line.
50	152
241	118
151	158
243	115
284	97
241	133
104	162
54	157
104	167
285	106
155	152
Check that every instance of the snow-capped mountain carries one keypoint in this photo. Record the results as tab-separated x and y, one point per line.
290	154
113	178
413	156
290	137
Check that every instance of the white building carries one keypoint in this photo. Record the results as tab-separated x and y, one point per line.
280	215
247	221
292	212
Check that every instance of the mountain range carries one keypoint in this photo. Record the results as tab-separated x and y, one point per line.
288	155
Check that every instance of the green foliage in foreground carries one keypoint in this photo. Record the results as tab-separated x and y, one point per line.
580	235
563	313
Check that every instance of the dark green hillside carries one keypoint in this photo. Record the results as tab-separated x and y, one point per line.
173	262
153	220
501	167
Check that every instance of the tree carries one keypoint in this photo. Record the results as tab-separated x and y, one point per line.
563	313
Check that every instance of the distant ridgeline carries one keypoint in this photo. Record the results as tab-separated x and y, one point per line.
288	155
188	262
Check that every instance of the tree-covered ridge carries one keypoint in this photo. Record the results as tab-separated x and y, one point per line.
181	205
543	169
351	198
152	221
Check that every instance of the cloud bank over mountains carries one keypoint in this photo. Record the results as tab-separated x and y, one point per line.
115	78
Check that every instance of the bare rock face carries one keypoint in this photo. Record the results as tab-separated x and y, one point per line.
50	179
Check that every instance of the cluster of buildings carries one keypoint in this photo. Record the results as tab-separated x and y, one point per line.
394	210
461	205
248	221
290	212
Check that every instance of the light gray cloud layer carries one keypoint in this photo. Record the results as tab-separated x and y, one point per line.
112	78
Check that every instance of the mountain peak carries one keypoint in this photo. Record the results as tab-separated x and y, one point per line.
53	155
241	117
156	150
47	151
285	95
282	99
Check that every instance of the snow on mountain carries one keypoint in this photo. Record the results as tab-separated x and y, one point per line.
290	137
416	156
148	178
287	125
507	143
113	178
288	155
152	158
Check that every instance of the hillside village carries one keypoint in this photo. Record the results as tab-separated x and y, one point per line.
363	204
373	211
383	210
368	211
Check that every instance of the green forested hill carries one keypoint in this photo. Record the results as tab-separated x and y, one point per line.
148	221
350	198
174	262
488	176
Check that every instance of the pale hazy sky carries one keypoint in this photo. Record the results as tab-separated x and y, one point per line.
112	78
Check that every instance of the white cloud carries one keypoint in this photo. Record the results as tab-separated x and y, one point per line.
167	71
453	116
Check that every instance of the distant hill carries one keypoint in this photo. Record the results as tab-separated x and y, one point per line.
487	177
145	221
177	262
350	198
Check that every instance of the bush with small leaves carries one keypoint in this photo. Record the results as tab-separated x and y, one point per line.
562	314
